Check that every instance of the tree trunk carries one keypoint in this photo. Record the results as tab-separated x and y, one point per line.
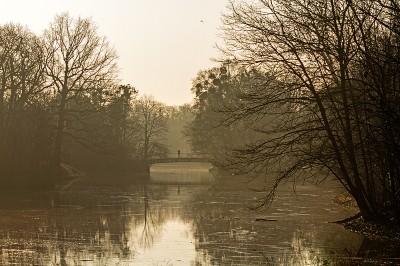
56	157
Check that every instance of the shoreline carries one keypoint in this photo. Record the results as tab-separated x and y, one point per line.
382	230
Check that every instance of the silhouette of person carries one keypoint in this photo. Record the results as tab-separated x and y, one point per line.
179	153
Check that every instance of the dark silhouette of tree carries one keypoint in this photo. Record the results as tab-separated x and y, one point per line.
218	92
60	102
24	103
378	68
122	121
325	116
78	61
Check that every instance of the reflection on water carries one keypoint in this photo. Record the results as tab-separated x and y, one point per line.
178	173
175	245
181	215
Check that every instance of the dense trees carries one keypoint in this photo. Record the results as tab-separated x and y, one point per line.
151	119
121	121
60	103
101	129
217	90
325	98
24	104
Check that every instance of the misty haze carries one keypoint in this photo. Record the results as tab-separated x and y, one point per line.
225	132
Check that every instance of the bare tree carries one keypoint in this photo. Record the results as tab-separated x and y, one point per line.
378	63
312	49
152	123
78	61
22	81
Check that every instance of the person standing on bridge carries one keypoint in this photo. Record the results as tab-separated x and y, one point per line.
179	153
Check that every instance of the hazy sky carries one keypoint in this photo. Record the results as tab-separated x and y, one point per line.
162	44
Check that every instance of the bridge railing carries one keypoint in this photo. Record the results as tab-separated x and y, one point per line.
179	159
183	155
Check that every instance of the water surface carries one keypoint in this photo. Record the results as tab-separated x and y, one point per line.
180	215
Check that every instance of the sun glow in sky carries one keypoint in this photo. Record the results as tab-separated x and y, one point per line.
161	44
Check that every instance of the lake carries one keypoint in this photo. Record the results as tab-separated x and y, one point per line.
181	215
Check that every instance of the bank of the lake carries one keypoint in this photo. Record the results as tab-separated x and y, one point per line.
44	177
383	229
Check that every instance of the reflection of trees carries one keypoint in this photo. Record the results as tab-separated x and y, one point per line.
81	227
378	248
295	241
102	225
304	252
112	223
150	226
307	251
70	227
310	248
